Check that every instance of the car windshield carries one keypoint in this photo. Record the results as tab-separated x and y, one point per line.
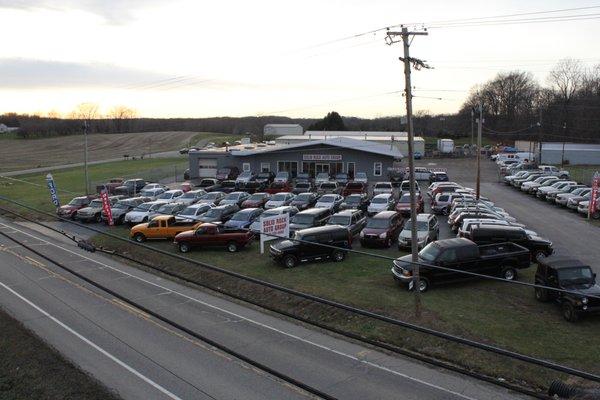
207	182
430	252
383	186
165	196
277	185
76	202
327	199
355	185
353	199
379	200
328	186
270	213
228	184
341	176
241	216
211	196
378	223
121	205
257	197
302	185
361	175
143	207
214	213
405	198
246	174
189	211
575	276
303	219
232	196
421	225
577	192
303	197
167	208
223	171
279	197
323	175
96	203
339	220
189	195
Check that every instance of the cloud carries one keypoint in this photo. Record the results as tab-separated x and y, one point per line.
116	12
20	73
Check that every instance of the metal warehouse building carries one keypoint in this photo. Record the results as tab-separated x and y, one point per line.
574	153
332	155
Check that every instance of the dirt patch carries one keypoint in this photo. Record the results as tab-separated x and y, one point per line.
30	369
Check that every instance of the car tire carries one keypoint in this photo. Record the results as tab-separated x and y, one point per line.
144	220
184	247
232	247
338	255
509	273
98	217
290	261
569	312
596	215
541	294
539	255
423	285
139	237
388	243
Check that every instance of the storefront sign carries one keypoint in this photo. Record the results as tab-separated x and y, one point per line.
322	157
52	187
278	225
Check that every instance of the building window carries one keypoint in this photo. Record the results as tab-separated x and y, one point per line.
289	166
265	167
350	169
246	166
377	169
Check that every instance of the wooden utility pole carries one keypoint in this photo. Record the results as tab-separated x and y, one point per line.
414	241
85	157
479	129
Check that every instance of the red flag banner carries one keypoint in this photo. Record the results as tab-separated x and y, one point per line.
594	194
106	207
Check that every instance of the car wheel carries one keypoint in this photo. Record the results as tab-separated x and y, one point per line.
596	215
423	285
145	220
338	255
139	237
539	255
184	247
509	273
445	211
569	312
232	247
388	242
290	261
98	218
541	294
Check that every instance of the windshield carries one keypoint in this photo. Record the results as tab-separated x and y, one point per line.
232	196
207	182
214	213
421	225
121	205
143	207
353	199
96	203
189	211
165	196
303	197
279	197
328	186
257	197
211	196
223	171
323	175
302	185
379	200
167	208
339	220
303	219
189	195
76	202
327	199
270	213
378	223
356	185
430	252
405	198
228	184
575	276
383	186
241	216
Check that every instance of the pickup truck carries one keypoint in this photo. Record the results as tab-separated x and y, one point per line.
500	259
211	235
161	227
111	185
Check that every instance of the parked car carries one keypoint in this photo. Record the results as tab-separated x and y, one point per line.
305	200
529	177
442	202
167	209
330	201
381	202
283	176
212	198
456	222
280	200
328	188
110	185
356	201
442	187
438	176
530	186
303	177
470	223
544	190
583	209
70	209
405	187
228	186
131	187
428	230
93	211
501	259
361	177
573	276
227	173
403	204
265	177
354	187
244	218
209	184
573	202
191	197
488	234
306	246
252	187
211	235
245	177
236	198
381	229
421	173
383	187
342	178
278	187
161	227
290	210
321	177
552	170
193	212
563	198
353	220
551	196
309	219
142	212
152	190
170	196
121	208
303	187
256	200
220	213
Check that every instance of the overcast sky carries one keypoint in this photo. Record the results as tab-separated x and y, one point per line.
189	58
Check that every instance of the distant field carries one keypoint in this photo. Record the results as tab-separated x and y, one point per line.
17	154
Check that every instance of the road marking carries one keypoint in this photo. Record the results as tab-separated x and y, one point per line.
323	347
92	344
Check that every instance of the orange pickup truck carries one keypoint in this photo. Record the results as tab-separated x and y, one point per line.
161	227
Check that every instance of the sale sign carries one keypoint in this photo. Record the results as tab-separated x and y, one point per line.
52	187
594	194
278	225
106	206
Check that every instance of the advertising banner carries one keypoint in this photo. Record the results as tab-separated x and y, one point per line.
52	187
322	157
594	194
106	207
276	225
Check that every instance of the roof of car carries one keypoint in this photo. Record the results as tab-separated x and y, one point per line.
424	216
321	229
348	213
384	214
498	228
384	195
312	211
558	262
453	242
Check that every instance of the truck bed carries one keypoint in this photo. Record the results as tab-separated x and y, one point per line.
495	250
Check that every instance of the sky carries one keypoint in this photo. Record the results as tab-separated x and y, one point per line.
198	58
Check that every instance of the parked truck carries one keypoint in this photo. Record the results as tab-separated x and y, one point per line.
212	235
161	227
445	146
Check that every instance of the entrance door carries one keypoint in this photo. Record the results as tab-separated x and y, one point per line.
351	167
322	168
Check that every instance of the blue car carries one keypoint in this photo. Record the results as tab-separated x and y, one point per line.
244	218
418	155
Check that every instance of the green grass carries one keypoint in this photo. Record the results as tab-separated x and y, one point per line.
496	313
36	194
582	173
9	135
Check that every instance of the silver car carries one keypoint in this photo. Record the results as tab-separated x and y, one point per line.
428	230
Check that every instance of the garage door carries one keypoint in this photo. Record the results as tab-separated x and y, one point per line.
207	167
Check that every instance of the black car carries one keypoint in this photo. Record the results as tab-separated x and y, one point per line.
437	176
307	245
572	275
303	187
130	187
356	201
219	213
305	200
265	177
209	184
353	220
228	186
309	219
488	234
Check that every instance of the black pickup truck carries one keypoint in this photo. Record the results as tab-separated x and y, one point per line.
501	259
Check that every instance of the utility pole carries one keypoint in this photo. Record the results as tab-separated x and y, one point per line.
539	124
562	157
85	157
479	129
406	40
472	132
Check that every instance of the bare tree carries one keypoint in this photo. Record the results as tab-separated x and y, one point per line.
566	79
86	112
121	117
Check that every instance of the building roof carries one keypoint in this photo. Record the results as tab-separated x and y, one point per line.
356	133
345	143
329	135
558	146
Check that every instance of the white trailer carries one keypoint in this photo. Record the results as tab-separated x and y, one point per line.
445	146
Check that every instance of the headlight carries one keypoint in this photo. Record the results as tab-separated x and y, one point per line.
383	235
584	300
362	234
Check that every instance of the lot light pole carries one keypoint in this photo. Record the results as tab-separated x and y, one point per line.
406	40
479	129
85	157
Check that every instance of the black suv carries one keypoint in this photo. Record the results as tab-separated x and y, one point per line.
130	187
569	274
309	219
488	234
307	246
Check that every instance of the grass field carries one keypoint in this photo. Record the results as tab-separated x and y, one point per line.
69	182
33	370
492	312
582	173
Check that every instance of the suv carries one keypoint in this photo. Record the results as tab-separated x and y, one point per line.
403	204
70	210
227	173
353	220
572	275
437	176
130	187
428	230
306	246
488	234
356	201
93	212
229	186
381	202
303	187
309	219
209	184
383	187
328	188
245	177
305	200
382	229
354	187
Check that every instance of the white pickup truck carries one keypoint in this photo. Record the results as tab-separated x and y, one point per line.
552	170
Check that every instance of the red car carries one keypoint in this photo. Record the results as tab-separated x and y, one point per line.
354	187
382	229
257	200
277	187
211	235
70	210
403	205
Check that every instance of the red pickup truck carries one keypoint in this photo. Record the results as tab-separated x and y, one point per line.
211	235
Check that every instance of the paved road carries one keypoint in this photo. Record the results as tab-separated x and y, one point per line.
142	358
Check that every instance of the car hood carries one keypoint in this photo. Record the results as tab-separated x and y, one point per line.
584	290
405	262
373	231
284	244
67	207
406	234
185	235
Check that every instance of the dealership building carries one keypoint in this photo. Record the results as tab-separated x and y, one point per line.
332	155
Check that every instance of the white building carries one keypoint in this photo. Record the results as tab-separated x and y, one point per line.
282	129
